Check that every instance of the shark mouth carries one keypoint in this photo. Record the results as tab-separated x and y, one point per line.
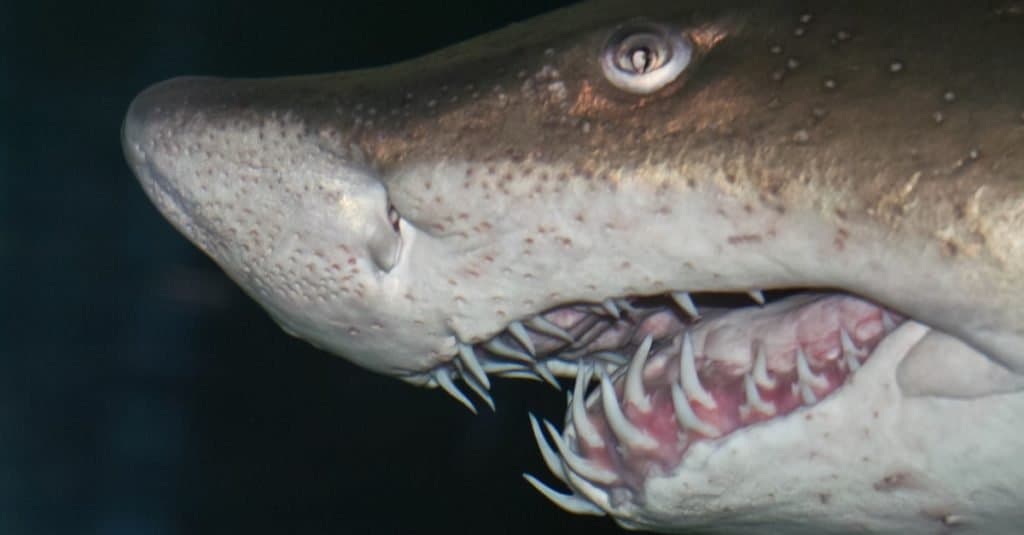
668	377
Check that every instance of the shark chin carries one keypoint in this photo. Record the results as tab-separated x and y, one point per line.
775	253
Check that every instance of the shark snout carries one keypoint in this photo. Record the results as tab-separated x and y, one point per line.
287	202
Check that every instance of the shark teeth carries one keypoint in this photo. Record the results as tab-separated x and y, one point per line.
616	436
628	434
571	503
634	391
444	380
754	401
584	428
688	376
519	333
685	302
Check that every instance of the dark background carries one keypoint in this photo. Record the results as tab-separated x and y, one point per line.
140	391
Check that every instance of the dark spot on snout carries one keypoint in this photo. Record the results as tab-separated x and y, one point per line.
840	239
895	481
745	238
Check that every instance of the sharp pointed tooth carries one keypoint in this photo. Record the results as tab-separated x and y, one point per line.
444	379
468	357
761	376
611	308
499	347
550	457
688	376
518	332
754	397
529	375
585	429
757	296
549	378
561	368
686	417
851	354
632	436
568	502
479	389
887	322
588	469
805	375
807	395
544	326
685	302
634	390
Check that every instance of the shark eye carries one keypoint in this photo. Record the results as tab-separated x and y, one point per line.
644	57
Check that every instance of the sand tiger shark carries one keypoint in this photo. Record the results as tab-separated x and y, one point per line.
776	251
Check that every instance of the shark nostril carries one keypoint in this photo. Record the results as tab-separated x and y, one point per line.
394	218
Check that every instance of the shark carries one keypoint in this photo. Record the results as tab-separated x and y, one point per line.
775	250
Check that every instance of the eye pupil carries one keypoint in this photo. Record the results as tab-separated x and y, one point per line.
642	59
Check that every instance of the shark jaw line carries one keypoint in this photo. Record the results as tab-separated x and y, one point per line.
670	375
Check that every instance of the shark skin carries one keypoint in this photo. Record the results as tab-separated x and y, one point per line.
574	194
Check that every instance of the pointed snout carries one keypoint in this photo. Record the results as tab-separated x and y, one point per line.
151	113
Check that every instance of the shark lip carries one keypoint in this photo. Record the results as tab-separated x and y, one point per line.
670	377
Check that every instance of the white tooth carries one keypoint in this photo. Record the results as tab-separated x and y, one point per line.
611	308
754	397
588	469
550	457
529	375
805	375
887	322
632	436
499	347
568	502
634	390
585	429
807	395
468	357
444	379
686	417
544	326
688	376
761	376
518	332
686	303
543	371
479	389
851	353
757	296
500	367
561	368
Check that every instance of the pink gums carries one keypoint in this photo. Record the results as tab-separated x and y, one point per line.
813	327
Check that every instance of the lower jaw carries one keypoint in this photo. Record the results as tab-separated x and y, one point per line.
673	382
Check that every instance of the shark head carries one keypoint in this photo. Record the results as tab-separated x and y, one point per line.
785	244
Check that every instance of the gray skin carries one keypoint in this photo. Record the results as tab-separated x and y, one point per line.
392	215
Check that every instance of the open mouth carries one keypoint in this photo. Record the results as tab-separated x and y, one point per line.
671	371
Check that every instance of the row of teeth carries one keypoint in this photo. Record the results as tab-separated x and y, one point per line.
584	475
523	363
